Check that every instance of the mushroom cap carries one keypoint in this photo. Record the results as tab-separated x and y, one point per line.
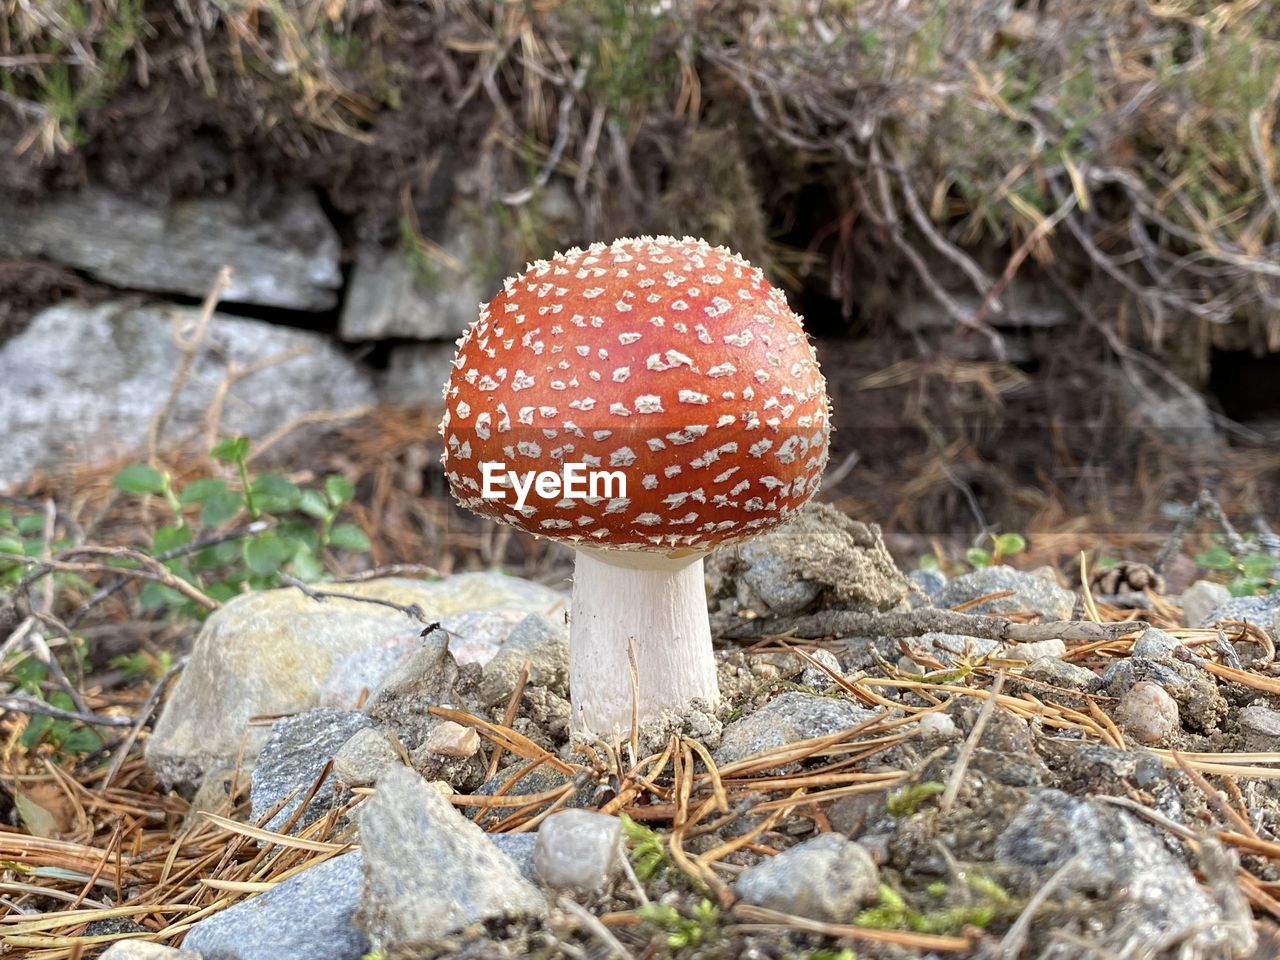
673	362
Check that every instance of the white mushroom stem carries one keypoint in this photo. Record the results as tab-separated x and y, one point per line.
656	604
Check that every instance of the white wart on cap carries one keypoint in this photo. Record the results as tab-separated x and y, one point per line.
673	361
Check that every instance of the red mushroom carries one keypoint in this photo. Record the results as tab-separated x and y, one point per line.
671	367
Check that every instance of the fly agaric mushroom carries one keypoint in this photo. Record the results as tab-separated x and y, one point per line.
667	367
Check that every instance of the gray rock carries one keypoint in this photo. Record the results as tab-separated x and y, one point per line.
1035	651
519	847
363	758
146	950
539	780
820	551
270	652
785	719
1147	712
932	582
291	760
817	679
475	636
827	878
544	643
851	814
1260	728
578	850
1201	599
1261	611
1139	893
416	374
949	649
1037	591
458	876
1118	677
774	584
937	726
1025	303
387	297
426	679
82	384
1061	673
305	917
286	257
1166	407
1153	642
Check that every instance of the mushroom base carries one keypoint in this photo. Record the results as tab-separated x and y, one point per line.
659	606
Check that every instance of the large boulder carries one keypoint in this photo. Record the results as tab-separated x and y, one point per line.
83	383
271	652
283	256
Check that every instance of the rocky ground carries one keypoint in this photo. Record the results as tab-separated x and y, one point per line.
989	764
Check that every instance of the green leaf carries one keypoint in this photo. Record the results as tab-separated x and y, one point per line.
301	532
218	555
313	504
10	545
31	524
977	557
339	489
140	478
37	727
1007	544
223	590
79	741
349	537
1216	558
266	554
30	673
1245	586
231	449
1257	565
198	491
156	596
927	561
307	566
273	493
170	538
220	507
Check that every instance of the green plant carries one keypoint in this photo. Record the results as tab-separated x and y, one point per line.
1249	574
894	913
823	953
691	931
288	531
905	801
1002	545
22	534
649	856
67	737
143	665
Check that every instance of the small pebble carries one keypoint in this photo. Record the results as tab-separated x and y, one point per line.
1148	712
1260	726
146	950
849	815
1153	642
828	878
451	739
1201	599
361	760
937	726
1034	651
578	850
815	678
1061	673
